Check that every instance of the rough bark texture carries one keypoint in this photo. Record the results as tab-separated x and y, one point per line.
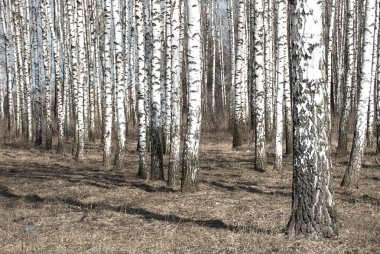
313	208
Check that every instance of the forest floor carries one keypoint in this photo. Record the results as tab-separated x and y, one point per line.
50	203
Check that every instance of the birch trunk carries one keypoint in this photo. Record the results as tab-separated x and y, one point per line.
343	125
107	132
173	172
57	77
45	5
351	176
378	92
268	69
140	83
7	29
169	82
157	171
18	69
259	80
81	80
27	71
282	77
190	165
120	87
231	32
313	208
239	133
36	72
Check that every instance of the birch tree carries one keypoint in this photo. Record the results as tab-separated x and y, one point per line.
36	71
282	77
27	70
313	208
351	176
342	141
240	117
120	86
7	29
140	83
378	93
18	69
174	156
45	5
57	78
107	85
168	81
259	79
190	166
157	171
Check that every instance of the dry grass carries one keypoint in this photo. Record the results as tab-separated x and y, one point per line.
53	204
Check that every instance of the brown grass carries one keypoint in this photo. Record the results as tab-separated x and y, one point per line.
53	204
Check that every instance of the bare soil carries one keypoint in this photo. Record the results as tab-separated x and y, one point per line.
50	203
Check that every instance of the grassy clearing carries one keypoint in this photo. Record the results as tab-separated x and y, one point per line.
53	204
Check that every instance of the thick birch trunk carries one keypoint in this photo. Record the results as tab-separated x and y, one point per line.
313	209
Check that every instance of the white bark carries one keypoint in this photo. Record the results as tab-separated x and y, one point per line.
120	86
282	77
19	75
140	83
269	68
240	116
313	209
81	79
259	80
27	72
378	92
190	166
36	72
157	172
351	176
45	12
371	106
7	29
231	31
107	132
168	84
176	95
